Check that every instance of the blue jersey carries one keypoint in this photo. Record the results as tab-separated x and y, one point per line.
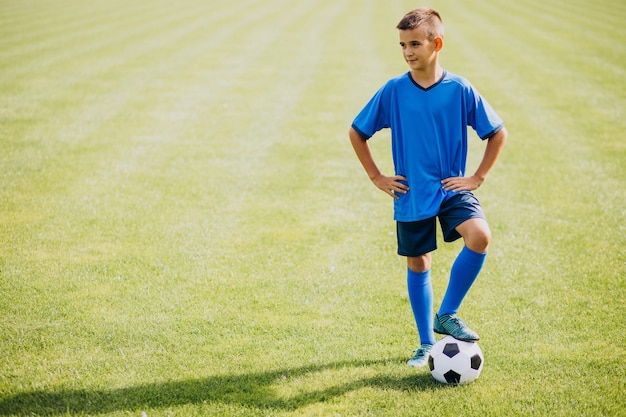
428	134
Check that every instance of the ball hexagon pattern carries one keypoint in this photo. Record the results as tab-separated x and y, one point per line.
453	361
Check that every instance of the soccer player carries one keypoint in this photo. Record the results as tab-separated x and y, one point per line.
428	110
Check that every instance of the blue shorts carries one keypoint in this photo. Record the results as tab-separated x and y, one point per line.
420	237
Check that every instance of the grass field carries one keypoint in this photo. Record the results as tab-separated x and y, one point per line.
185	230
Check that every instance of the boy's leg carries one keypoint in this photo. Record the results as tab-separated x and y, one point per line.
468	264
415	241
421	298
464	272
476	234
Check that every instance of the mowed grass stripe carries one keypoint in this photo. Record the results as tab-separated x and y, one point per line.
32	21
92	233
89	200
201	82
104	99
581	16
90	80
95	54
282	146
603	48
228	156
76	184
47	88
65	238
274	94
604	17
61	36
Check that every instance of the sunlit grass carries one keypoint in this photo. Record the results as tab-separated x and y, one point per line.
185	230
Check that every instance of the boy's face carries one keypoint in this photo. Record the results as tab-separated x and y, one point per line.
418	51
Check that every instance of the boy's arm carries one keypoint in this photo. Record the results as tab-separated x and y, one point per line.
492	152
383	182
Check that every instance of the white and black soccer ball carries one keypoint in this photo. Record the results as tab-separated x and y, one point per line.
453	361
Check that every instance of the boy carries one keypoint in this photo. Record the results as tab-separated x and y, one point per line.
428	110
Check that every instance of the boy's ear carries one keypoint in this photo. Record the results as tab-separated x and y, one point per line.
438	43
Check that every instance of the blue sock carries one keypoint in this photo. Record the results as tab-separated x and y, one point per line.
464	272
421	298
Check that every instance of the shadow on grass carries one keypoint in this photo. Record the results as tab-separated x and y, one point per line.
254	390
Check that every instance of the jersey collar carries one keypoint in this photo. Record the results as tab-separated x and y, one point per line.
432	86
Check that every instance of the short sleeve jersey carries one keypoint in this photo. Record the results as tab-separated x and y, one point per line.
428	134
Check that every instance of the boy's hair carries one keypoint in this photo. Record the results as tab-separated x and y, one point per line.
429	18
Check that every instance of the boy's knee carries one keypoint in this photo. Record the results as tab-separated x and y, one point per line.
479	240
419	263
476	234
480	243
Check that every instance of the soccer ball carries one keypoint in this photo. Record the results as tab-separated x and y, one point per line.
453	361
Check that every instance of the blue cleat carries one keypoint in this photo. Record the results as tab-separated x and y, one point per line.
420	358
455	327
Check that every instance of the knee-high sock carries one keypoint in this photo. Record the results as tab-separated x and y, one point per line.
421	298
464	272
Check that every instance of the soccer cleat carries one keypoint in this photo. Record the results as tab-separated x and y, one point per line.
420	358
455	327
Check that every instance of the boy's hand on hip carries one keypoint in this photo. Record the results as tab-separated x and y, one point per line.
462	183
391	185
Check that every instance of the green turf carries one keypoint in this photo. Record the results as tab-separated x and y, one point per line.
185	231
